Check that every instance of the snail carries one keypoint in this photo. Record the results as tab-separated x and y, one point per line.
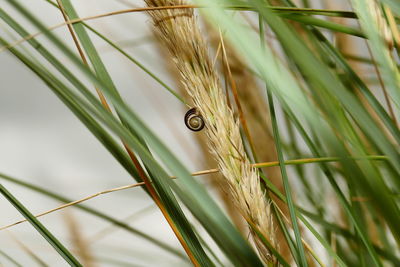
193	120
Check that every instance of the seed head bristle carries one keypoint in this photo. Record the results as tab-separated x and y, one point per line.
179	32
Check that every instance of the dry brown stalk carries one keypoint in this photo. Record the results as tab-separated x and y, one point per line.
66	205
179	32
73	21
203	172
393	26
27	250
78	241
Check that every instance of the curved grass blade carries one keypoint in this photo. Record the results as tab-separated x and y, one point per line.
330	83
53	241
330	51
337	229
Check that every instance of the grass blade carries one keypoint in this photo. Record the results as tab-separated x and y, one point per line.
53	241
292	209
375	27
286	185
96	213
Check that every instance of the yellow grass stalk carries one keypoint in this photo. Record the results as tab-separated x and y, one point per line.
78	241
207	159
180	33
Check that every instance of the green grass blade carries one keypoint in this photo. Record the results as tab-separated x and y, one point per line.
285	179
347	234
130	58
280	259
324	79
97	64
336	27
281	10
352	76
328	173
370	15
331	226
96	213
137	63
331	52
288	191
53	241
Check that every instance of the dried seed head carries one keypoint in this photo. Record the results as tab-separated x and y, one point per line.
383	27
179	32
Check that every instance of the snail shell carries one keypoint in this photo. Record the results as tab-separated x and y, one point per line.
193	120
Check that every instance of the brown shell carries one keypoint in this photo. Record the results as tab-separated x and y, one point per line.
191	114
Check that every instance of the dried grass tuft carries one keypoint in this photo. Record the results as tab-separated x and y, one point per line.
179	32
